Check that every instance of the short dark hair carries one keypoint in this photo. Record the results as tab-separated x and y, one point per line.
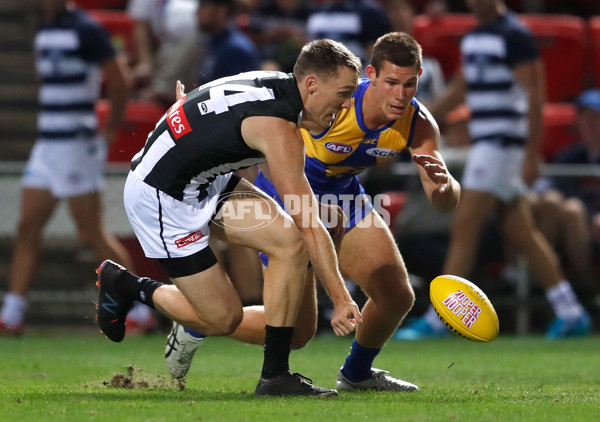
398	48
323	58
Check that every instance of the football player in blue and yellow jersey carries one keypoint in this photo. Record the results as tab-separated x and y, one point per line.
384	119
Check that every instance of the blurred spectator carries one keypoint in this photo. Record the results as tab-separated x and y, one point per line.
431	81
278	27
502	80
72	53
167	40
356	23
568	208
227	50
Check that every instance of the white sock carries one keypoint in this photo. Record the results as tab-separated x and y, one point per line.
434	320
13	309
140	312
564	302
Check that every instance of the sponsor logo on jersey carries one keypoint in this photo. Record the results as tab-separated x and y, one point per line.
177	121
382	152
189	239
338	148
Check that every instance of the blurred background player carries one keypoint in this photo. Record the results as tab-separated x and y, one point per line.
167	43
503	83
278	28
385	118
356	23
226	50
72	55
567	209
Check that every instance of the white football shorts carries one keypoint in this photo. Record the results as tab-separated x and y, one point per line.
66	168
495	169
166	227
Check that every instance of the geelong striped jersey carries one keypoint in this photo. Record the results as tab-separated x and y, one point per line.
498	103
200	136
69	53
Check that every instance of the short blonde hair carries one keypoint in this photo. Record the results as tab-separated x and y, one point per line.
323	58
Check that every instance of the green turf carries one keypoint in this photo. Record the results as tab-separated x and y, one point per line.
47	377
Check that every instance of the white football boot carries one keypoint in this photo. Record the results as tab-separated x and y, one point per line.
180	350
379	381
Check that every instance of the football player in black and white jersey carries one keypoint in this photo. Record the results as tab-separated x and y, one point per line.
182	188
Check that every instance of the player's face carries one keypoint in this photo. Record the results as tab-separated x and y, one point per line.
394	88
328	96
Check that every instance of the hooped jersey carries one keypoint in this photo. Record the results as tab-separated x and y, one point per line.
348	147
200	136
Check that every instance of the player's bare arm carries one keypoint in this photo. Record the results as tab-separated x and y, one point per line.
441	188
283	148
117	91
530	76
452	97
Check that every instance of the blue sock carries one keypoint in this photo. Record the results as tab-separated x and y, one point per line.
359	361
193	333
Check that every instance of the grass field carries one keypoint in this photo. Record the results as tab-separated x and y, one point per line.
73	377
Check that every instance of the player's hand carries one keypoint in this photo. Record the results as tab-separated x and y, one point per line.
345	317
334	219
179	90
531	168
436	170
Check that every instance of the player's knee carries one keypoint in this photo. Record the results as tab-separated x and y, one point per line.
394	299
290	247
403	300
552	197
573	208
223	323
303	336
300	343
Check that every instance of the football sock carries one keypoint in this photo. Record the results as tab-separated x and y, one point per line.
359	361
434	321
13	309
278	342
564	302
193	333
137	288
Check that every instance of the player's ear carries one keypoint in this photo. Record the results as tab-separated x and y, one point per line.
310	83
420	71
371	73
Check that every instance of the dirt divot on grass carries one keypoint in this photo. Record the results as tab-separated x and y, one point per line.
134	378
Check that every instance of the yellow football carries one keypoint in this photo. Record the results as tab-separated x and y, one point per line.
464	308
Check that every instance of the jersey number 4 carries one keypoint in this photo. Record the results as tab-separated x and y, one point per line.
228	95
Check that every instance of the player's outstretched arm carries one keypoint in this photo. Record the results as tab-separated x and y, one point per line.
283	148
441	188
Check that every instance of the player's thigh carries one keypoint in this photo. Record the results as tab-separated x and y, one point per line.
368	254
473	209
518	224
212	296
86	210
248	217
37	205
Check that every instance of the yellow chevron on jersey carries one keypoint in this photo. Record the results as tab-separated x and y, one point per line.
348	147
